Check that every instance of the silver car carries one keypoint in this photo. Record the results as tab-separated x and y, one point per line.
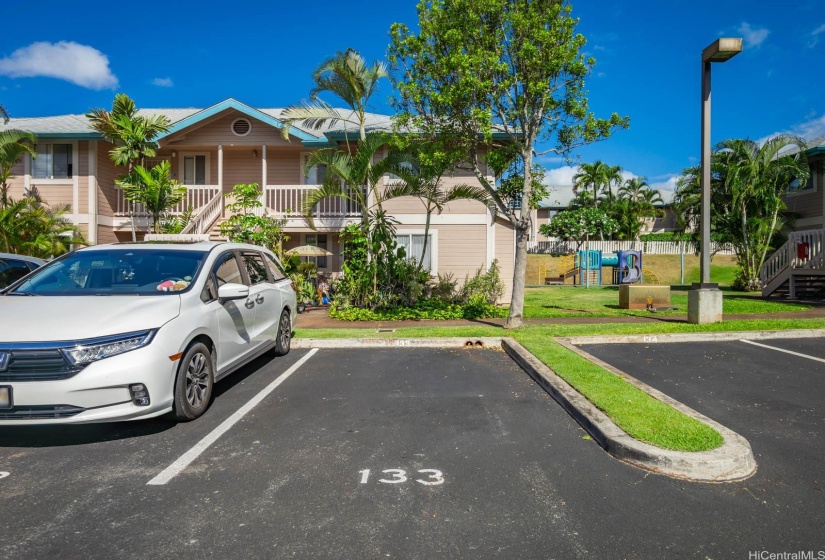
133	331
15	267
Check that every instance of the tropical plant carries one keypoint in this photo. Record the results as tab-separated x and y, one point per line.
420	173
13	144
4	114
747	184
249	223
348	77
579	225
599	177
134	136
633	188
505	74
30	227
155	189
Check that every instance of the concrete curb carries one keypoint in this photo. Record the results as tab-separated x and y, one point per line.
468	342
733	460
693	337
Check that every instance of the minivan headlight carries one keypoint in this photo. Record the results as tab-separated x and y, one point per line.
97	349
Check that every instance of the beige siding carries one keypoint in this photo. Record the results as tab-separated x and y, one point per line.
82	173
17	182
505	253
55	194
106	175
218	131
283	167
462	249
240	166
411	205
106	234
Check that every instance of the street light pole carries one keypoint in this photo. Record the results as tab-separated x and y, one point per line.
705	299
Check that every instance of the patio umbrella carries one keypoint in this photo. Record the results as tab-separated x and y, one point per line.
309	251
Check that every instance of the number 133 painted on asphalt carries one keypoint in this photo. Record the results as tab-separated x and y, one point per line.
434	477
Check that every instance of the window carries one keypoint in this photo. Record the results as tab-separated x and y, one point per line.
275	268
228	271
393	179
317	240
796	187
53	161
255	268
315	175
194	169
11	270
413	244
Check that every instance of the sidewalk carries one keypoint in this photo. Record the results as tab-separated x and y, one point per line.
317	318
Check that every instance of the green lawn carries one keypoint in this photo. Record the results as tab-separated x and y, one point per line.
603	301
636	412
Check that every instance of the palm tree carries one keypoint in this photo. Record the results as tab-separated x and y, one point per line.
633	188
134	136
30	227
155	189
347	76
13	144
423	181
4	114
597	176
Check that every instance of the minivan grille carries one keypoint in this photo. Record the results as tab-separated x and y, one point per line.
37	365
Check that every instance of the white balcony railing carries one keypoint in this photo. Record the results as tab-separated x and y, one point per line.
288	200
196	197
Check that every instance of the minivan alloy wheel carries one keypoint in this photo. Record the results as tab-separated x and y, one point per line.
197	380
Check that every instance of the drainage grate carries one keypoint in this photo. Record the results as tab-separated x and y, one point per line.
385	330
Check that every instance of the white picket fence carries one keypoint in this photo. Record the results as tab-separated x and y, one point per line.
562	247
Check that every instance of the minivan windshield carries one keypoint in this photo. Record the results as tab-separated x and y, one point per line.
119	271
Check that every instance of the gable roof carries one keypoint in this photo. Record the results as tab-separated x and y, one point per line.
78	127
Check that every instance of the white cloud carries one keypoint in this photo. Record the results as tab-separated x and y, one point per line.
815	36
79	64
666	188
163	82
809	129
753	36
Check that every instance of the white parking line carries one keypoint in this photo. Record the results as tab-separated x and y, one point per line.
184	460
814	358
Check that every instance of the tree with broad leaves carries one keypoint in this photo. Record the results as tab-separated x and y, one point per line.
485	75
580	224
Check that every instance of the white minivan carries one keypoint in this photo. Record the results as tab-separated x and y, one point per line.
135	330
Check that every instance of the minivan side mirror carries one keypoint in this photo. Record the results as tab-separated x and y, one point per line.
233	291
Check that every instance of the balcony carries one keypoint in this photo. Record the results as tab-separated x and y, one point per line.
285	201
197	196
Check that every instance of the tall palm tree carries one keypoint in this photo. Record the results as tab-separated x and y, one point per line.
155	189
633	188
347	76
13	144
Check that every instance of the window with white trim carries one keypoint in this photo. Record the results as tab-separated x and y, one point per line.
393	179
53	161
317	240
795	187
195	168
413	244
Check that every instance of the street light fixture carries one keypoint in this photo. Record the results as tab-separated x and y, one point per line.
705	299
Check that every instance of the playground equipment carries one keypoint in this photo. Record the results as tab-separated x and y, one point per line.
585	267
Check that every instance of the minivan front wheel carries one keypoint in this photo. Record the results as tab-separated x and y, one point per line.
283	339
193	386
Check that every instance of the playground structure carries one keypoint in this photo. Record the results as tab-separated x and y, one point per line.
586	268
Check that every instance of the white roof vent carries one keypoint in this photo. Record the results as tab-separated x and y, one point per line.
241	127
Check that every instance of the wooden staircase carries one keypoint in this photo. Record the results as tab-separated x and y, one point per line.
787	273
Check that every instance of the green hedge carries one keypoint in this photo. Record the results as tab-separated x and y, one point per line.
427	309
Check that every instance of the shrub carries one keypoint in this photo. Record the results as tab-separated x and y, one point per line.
432	309
487	285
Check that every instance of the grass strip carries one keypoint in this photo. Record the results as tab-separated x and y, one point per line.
633	410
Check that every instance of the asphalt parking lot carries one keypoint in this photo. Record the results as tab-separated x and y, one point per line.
395	453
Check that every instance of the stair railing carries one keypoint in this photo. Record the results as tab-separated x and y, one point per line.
206	216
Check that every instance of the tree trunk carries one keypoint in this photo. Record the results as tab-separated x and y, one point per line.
522	231
426	238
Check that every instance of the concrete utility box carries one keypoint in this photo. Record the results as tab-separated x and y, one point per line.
634	296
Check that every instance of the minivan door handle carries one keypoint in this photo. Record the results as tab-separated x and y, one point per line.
249	304
259	298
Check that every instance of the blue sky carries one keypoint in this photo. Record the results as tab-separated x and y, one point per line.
195	54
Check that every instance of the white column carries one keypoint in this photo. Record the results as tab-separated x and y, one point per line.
491	239
27	173
93	210
220	168
263	176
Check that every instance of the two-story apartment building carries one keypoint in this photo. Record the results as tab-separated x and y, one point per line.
213	149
